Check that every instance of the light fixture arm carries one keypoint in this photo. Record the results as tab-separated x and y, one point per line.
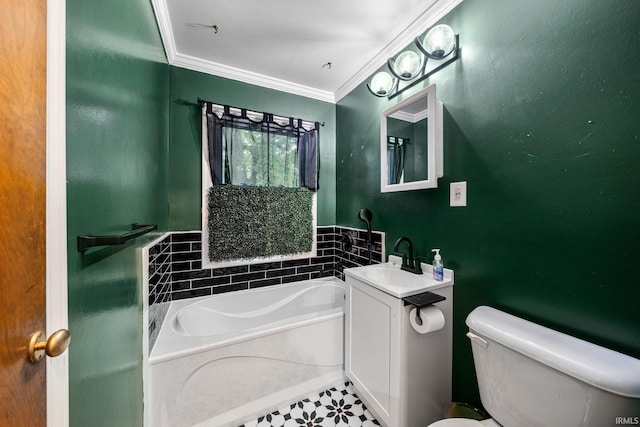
374	93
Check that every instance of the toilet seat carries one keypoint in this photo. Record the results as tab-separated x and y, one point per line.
456	422
464	422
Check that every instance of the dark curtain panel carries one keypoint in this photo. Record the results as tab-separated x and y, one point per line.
214	139
308	163
396	148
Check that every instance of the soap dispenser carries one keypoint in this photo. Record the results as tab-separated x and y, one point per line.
437	266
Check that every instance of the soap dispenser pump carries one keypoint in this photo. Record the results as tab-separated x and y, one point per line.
438	268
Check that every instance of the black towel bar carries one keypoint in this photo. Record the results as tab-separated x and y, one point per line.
87	241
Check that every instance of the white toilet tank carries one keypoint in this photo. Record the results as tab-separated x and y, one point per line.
532	376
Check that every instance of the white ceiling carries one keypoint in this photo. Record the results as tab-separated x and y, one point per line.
287	44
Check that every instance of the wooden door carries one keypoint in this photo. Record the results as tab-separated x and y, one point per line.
22	208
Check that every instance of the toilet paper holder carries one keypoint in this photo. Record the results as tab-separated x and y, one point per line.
422	300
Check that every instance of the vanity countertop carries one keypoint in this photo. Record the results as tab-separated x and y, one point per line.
389	278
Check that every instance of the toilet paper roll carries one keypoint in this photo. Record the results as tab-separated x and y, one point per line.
430	319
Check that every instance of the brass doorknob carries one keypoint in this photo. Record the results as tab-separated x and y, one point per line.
54	346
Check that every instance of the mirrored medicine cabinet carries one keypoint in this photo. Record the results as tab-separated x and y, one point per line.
411	155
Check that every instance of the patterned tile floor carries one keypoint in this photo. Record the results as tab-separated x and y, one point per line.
337	407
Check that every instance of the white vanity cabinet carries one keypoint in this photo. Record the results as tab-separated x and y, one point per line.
402	376
372	329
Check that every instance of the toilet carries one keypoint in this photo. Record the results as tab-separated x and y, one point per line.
532	376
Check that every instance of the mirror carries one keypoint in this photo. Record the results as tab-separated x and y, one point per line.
411	143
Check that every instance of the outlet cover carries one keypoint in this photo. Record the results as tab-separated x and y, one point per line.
458	194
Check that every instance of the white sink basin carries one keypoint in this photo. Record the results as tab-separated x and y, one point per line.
387	273
389	278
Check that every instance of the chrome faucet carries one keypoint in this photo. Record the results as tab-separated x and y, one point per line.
409	263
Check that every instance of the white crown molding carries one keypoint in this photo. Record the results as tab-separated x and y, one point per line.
411	118
164	24
421	24
209	67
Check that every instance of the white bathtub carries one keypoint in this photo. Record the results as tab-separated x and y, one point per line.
225	359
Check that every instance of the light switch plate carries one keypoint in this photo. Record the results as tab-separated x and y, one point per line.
458	194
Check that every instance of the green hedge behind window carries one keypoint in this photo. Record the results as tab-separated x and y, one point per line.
247	222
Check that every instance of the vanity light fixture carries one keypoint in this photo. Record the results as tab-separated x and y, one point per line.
436	49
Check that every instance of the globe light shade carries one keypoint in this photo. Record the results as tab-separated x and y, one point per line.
407	64
382	83
439	41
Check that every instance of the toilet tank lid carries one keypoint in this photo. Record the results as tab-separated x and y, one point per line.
588	362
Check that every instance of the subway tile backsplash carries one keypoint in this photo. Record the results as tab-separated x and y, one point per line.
159	264
175	269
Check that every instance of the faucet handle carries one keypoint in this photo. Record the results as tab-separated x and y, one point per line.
411	265
415	267
405	260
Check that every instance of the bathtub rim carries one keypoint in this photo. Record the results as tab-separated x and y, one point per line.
266	310
188	345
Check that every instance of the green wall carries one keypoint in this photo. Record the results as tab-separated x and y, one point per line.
542	119
185	146
117	133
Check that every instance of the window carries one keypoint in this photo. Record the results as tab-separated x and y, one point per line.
265	173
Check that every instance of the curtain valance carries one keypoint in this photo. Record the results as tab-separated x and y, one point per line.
250	148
